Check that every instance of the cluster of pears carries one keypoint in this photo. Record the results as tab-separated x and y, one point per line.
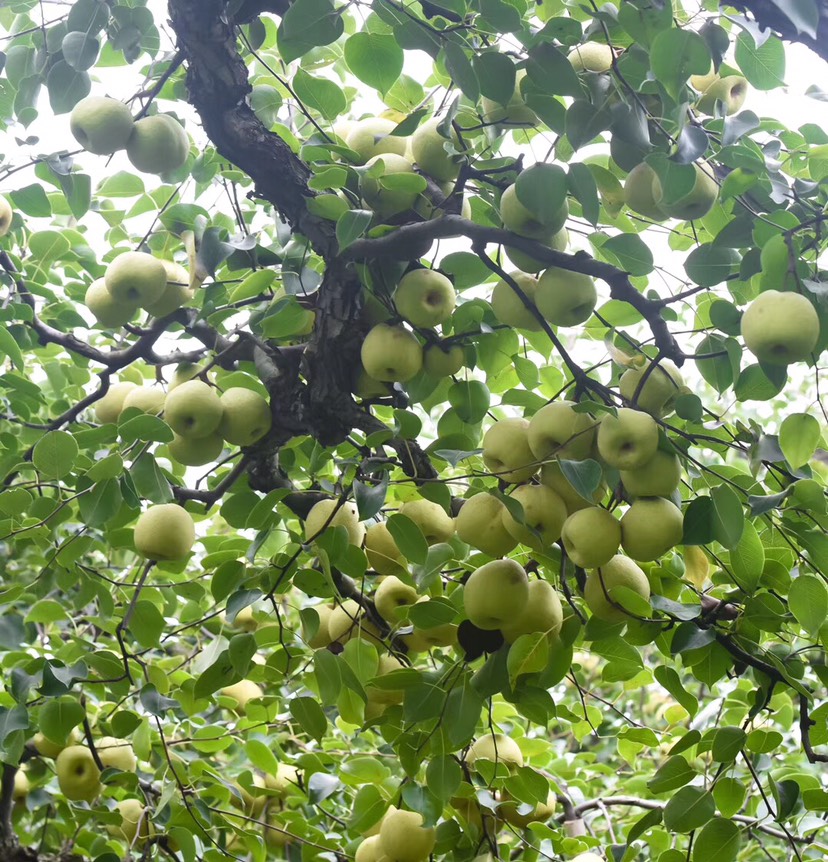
390	352
201	419
401	836
135	280
154	145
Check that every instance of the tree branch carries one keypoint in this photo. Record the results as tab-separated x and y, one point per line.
770	16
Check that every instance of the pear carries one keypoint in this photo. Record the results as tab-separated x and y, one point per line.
544	513
650	528
78	775
176	291
322	637
627	440
134	278
508	307
117	753
391	353
134	817
591	57
620	571
506	451
107	310
329	513
565	298
101	125
658	393
391	596
509	810
164	532
147	399
158	144
731	91
480	524
387	664
429	152
495	594
779	327
246	416
403	837
497	748
542	613
372	137
383	554
425	297
591	537
384	200
243	692
443	359
658	477
553	477
558	429
109	408
697	202
196	451
642	192
6	216
193	409
522	221
431	518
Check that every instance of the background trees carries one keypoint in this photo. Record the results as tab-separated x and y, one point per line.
321	511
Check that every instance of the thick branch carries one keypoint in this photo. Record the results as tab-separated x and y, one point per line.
621	288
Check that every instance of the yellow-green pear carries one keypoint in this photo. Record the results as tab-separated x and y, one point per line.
508	307
403	837
443	359
387	664
183	372
591	537
520	220
196	451
702	82
391	596
698	201
591	57
565	298
369	850
246	620
779	328
515	112
731	91
383	554
497	748
176	292
101	125
588	857
366	387
542	613
510	810
429	152
658	477
642	192
345	621
285	779
322	637
250	803
46	748
106	309
650	528
425	297
544	513
552	476
329	513
246	417
372	137
480	524
423	640
134	817
276	835
243	692
620	571
557	429
658	393
6	216
391	353
117	753
78	776
164	532
134	278
147	399
495	594
385	201
193	409
506	450
109	408
21	787
555	240
158	144
431	518
627	440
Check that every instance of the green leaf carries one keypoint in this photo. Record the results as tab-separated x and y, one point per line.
727	743
255	284
309	716
461	70
80	50
808	602
583	188
351	225
718	841
57	718
100	504
708	264
728	516
528	654
443	777
674	773
502	16
675	55
729	794
32	201
758	383
409	538
630	252
308	24
668	678
143	426
550	70
470	399
496	75
66	87
54	454
319	94
764	67
689	809
747	559
261	756
377	60
147	624
799	436
9	347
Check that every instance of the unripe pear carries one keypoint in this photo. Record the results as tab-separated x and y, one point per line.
620	571
442	359
506	450
556	240
322	637
520	220
542	613
158	144
496	747
544	513
508	307
650	528
6	216
117	753
431	518
658	477
509	811
383	554
164	532
642	191
78	775
779	328
659	391
731	91
193	409
329	513
246	416
22	786
391	353
627	440
403	837
391	596
372	137
557	429
176	291
385	201
147	399
591	537
109	408
101	125
495	594
480	524
515	112
196	451
387	664
134	278
591	57
429	153
425	297
243	692
134	816
697	202
553	477
108	311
